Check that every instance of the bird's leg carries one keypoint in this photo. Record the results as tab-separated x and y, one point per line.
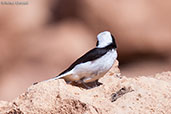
84	84
68	82
96	83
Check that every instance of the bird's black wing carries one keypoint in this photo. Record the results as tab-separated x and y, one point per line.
89	56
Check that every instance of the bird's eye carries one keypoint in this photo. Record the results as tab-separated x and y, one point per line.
113	40
97	43
112	37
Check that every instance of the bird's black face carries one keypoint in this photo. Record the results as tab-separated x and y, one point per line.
97	43
113	41
105	39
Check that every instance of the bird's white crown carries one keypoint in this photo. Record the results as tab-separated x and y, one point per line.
104	39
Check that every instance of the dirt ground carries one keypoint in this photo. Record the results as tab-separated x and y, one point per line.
41	39
149	95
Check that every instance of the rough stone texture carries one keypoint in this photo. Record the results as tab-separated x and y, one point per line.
144	95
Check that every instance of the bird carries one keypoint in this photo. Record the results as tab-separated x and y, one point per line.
94	64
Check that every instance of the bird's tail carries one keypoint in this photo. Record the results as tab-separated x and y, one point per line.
55	78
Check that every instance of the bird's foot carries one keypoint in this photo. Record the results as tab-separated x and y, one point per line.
90	85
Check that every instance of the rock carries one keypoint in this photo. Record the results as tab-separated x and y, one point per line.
136	95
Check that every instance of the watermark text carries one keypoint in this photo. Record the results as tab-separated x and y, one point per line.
14	2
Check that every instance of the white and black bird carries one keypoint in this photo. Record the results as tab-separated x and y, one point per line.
94	64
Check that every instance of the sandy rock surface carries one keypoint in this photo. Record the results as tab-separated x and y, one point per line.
115	96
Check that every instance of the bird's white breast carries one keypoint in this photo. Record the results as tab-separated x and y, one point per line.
93	70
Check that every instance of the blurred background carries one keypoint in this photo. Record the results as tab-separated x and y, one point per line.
39	40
